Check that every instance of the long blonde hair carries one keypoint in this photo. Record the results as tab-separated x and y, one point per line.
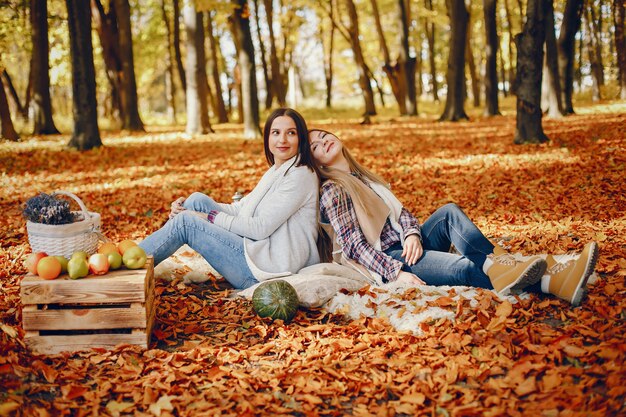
351	185
345	180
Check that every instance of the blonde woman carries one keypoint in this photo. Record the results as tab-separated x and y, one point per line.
375	234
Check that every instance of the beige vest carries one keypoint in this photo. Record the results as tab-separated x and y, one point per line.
372	215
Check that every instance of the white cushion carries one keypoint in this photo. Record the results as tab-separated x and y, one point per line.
317	284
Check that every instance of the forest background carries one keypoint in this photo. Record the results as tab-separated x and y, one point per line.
151	80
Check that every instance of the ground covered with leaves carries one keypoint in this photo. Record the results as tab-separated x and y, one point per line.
211	355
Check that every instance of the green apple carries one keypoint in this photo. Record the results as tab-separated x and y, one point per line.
80	254
77	267
63	261
134	257
115	260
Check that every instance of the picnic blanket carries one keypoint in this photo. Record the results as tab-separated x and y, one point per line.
340	289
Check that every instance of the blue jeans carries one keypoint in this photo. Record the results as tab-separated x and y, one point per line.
450	225
219	247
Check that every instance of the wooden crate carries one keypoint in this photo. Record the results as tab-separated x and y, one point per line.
96	311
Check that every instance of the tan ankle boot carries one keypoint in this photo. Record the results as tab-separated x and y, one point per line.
568	279
507	274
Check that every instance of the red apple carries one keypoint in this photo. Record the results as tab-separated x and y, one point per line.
33	259
98	264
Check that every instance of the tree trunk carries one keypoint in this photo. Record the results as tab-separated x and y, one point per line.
130	116
213	62
394	72
491	61
565	44
197	106
619	19
471	66
245	59
86	134
177	54
406	62
419	67
512	59
429	28
170	86
7	130
355	44
269	92
594	52
551	85
42	105
328	59
529	71
13	92
106	26
278	72
459	18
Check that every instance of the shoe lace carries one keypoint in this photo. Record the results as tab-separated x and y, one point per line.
504	259
558	267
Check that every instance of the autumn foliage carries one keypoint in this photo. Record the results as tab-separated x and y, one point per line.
211	354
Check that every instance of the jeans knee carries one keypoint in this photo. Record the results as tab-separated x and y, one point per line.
451	209
193	199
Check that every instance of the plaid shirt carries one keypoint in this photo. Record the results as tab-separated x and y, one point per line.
336	208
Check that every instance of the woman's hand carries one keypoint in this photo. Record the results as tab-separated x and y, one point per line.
412	250
409	278
177	206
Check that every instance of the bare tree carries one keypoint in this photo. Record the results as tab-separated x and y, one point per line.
240	20
7	130
551	84
594	50
213	63
197	105
170	85
529	44
42	105
176	41
86	134
267	77
429	28
619	19
459	18
565	44
491	61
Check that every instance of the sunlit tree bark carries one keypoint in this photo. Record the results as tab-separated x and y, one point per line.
86	134
245	60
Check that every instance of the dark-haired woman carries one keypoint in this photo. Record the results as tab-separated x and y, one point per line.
269	233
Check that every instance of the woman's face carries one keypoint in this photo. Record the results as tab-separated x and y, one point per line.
283	139
325	147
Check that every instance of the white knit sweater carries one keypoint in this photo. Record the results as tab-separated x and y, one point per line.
278	220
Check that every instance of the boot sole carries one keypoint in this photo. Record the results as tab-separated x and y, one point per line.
579	293
531	275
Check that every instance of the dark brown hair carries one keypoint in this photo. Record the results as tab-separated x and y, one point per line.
305	157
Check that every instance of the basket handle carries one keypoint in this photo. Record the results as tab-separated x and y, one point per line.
75	198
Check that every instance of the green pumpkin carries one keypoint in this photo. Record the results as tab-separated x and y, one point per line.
276	299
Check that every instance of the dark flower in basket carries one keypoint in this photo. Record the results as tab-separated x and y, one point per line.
47	209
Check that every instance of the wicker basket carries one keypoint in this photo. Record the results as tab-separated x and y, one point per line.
65	239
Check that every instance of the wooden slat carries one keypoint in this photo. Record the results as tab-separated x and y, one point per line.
121	286
56	344
86	318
